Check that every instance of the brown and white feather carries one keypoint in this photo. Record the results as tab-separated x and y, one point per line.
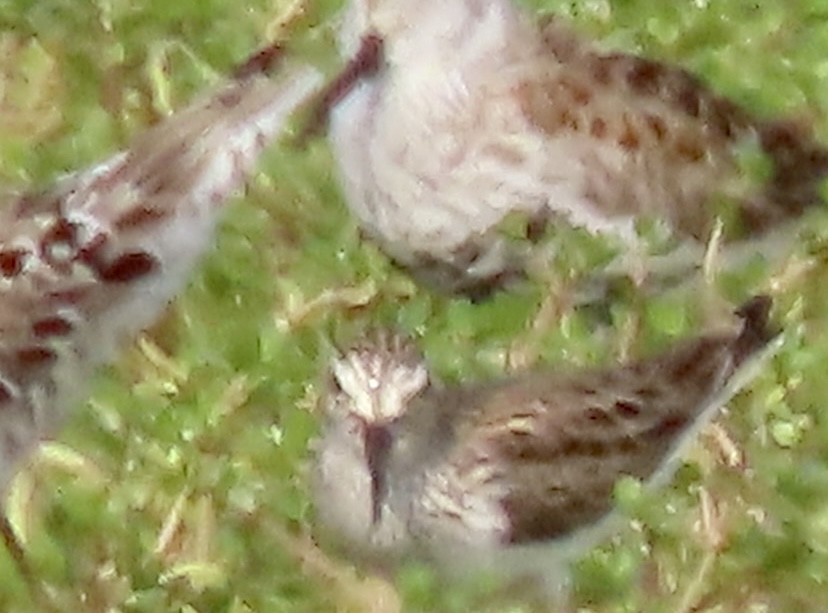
94	259
478	112
477	473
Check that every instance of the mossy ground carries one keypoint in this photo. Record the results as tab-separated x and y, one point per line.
181	485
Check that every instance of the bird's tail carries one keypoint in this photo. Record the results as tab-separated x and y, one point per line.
757	331
799	166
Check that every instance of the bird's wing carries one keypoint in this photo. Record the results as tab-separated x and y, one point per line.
671	134
537	458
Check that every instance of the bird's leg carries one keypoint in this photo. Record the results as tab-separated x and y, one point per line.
643	268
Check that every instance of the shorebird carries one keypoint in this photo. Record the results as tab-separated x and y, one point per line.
513	477
89	262
459	117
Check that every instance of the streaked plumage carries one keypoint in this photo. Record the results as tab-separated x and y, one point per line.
479	477
94	259
478	113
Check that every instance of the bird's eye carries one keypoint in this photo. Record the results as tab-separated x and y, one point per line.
332	384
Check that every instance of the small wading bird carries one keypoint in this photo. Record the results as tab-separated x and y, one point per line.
513	477
91	261
455	116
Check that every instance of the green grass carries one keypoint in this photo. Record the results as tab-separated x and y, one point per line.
181	485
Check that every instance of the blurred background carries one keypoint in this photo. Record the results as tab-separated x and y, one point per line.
182	484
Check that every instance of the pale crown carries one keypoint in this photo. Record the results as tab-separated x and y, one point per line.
377	383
